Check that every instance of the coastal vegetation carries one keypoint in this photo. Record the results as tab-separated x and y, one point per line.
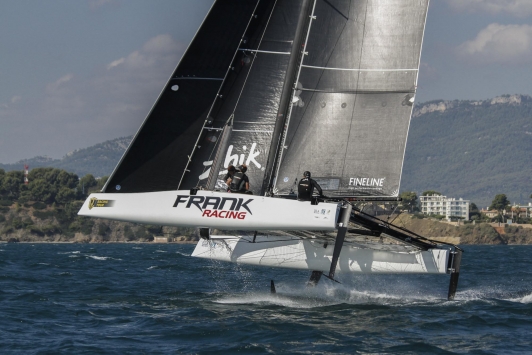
46	209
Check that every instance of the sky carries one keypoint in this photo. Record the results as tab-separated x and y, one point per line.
77	73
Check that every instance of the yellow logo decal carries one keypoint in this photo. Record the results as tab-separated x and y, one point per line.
92	202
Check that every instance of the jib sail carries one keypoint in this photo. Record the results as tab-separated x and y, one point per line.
157	156
353	100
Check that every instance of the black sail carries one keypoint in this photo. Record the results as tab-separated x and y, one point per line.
247	106
157	156
353	99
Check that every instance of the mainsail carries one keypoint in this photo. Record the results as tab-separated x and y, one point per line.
353	99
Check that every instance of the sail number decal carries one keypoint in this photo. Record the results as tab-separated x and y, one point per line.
217	207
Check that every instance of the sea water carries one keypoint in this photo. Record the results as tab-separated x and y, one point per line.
156	299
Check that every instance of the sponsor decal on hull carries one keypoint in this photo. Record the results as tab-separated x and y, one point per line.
94	202
216	207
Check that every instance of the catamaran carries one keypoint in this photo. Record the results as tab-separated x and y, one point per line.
285	86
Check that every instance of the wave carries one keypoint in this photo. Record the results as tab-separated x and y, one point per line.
99	257
275	299
522	298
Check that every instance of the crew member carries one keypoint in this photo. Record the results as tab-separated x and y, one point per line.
306	186
240	181
231	170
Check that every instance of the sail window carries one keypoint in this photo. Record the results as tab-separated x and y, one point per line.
175	87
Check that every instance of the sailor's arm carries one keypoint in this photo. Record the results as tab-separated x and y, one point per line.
318	187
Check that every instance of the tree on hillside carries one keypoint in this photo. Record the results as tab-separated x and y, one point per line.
2	176
56	177
474	212
12	183
431	192
101	182
409	201
85	183
42	190
65	195
500	203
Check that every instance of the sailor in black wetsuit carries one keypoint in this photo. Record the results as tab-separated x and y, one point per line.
240	181
231	170
306	186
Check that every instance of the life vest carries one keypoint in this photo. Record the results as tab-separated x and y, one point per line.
304	189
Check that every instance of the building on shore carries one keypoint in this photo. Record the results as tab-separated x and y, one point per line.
445	206
489	213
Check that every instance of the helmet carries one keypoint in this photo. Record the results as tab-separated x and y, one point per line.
306	174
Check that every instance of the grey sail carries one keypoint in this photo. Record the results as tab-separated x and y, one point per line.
353	98
156	158
243	117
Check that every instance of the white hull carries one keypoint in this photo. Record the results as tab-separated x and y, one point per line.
208	209
310	254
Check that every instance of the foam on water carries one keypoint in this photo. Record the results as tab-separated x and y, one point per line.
95	257
526	298
326	294
288	301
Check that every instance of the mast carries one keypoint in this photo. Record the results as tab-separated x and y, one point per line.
296	56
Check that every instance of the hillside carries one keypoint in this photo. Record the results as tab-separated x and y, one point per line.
98	160
469	149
